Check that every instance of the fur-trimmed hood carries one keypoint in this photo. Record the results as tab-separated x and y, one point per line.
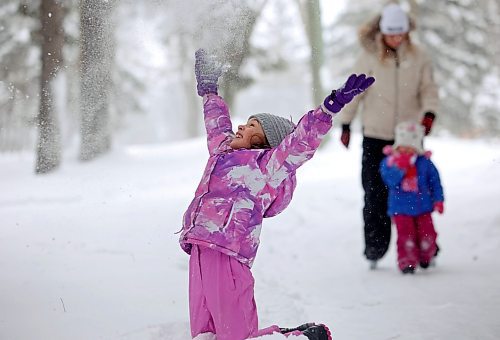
370	38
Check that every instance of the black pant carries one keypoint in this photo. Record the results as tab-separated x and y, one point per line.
377	222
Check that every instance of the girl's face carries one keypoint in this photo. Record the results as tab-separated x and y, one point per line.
406	150
394	40
249	135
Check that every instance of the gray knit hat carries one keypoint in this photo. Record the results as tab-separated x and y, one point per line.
275	128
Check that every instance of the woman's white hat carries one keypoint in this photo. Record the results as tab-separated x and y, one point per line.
394	20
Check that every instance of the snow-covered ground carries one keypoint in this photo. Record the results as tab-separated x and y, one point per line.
89	252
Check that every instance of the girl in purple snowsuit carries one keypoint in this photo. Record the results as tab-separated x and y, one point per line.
249	175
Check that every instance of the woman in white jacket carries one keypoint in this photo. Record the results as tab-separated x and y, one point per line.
405	91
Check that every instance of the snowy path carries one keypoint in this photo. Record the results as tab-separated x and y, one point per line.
89	251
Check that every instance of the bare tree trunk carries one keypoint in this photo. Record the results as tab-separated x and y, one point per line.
48	146
414	14
7	124
311	16
95	67
492	7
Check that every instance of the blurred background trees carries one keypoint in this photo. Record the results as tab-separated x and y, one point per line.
79	76
20	67
460	37
96	62
48	147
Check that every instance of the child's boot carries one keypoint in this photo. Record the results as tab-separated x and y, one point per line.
408	270
310	330
318	332
427	264
298	328
424	264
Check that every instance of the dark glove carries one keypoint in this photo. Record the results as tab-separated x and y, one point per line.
346	135
427	122
207	70
354	85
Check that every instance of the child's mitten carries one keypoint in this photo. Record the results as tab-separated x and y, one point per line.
354	85
207	70
439	207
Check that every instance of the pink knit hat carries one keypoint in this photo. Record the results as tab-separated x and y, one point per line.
410	134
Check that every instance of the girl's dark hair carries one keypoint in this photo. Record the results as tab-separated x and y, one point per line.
264	145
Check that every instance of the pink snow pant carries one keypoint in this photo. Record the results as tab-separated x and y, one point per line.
416	239
221	297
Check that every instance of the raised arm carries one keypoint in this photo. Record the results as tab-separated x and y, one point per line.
394	167
391	174
300	145
217	122
216	113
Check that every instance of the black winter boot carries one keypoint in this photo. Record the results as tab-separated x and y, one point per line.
318	332
300	328
432	262
408	270
424	264
311	331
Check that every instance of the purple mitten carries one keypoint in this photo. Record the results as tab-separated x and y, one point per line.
207	70
354	85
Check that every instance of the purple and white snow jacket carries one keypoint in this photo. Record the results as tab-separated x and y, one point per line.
241	187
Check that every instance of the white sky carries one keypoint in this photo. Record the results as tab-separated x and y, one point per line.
330	9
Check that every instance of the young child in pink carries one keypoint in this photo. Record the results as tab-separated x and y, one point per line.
249	175
415	191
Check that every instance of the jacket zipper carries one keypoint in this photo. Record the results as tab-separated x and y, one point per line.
229	217
396	99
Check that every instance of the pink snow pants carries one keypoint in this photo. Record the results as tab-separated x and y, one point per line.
221	296
416	239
